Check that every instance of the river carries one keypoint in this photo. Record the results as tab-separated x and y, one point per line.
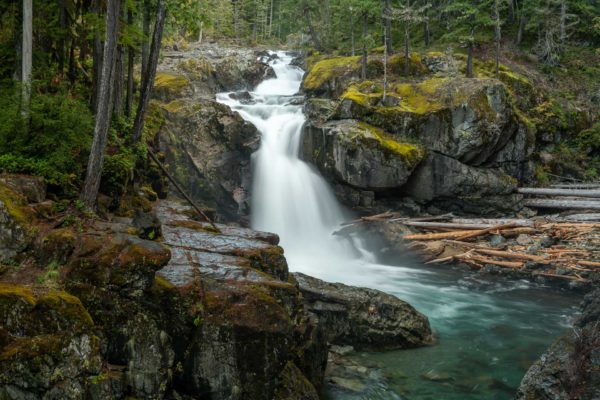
488	331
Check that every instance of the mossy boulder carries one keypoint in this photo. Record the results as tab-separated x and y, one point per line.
15	223
468	119
330	76
170	86
361	155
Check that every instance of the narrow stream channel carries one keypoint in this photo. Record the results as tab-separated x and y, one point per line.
489	332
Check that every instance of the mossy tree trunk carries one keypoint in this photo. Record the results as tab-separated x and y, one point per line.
96	57
91	185
147	83
146	38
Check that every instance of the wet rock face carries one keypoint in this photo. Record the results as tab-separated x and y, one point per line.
361	155
570	368
364	318
207	149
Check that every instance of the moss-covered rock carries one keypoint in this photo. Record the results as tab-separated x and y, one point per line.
361	155
330	76
15	223
169	86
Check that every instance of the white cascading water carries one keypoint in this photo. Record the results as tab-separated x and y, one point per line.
289	196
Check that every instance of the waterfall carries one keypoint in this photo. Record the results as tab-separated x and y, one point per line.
289	196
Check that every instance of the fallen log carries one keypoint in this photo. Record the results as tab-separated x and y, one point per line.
487	260
593	193
583	217
493	221
485	231
445	225
458	234
588	263
567	277
514	256
563	204
577	186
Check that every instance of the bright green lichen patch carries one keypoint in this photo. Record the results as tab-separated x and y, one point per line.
411	153
324	70
15	205
170	81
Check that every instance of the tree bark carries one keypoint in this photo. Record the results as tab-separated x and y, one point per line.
62	21
563	22
91	185
130	66
406	49
352	32
385	75
146	38
119	75
561	192
364	48
311	28
426	33
563	204
470	54
26	59
498	37
96	57
387	26
146	91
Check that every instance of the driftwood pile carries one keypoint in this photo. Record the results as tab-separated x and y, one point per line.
565	248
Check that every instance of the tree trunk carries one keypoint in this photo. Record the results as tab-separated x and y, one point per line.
271	19
311	28
521	31
470	54
364	48
352	33
426	33
563	22
130	66
96	57
385	62
387	26
119	75
26	59
62	48
498	37
148	81
563	204
511	10
91	185
146	38
595	193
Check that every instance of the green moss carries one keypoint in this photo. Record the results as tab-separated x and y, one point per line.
170	82
15	205
65	306
12	293
327	69
154	121
411	153
197	226
32	347
176	106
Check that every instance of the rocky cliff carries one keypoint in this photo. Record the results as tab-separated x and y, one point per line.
438	138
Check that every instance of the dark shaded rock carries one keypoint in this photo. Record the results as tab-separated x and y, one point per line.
57	245
147	225
207	148
442	176
570	368
364	318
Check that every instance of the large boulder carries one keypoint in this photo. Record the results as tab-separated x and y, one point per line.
207	148
361	155
570	368
364	318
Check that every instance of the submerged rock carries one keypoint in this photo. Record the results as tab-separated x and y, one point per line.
570	368
364	318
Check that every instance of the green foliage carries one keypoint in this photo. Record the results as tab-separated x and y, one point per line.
55	143
50	275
